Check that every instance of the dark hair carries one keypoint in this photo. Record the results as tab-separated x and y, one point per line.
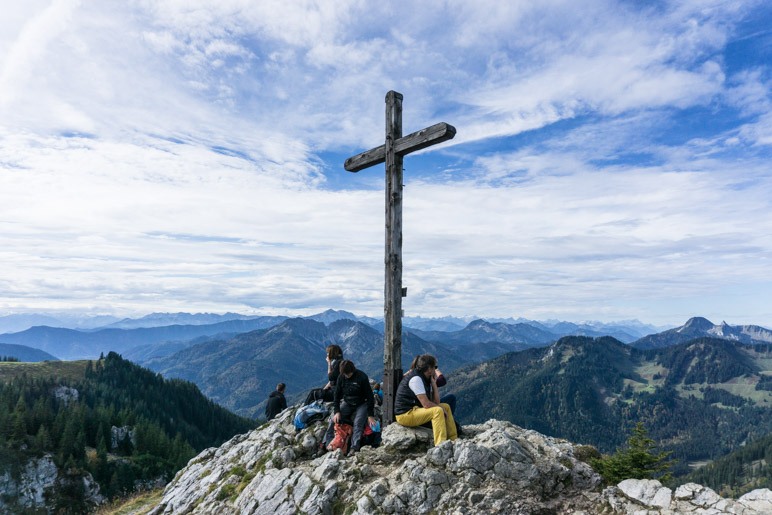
280	387
425	361
347	367
334	351
413	363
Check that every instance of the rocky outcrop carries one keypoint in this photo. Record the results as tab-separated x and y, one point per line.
66	394
496	467
633	496
28	490
35	487
121	434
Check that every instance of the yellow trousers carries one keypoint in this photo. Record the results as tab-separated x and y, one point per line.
444	427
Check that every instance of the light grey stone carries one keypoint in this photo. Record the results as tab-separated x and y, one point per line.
469	455
400	438
648	492
309	442
759	500
66	394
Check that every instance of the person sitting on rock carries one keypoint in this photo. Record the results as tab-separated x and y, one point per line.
418	401
353	403
439	377
276	402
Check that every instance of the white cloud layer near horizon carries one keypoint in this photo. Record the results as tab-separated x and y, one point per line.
611	162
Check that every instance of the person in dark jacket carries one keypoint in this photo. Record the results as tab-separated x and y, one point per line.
417	401
326	393
353	404
276	402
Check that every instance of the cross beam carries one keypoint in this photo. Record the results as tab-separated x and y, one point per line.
391	153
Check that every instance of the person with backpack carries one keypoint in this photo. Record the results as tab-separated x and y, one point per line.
326	393
276	402
417	401
353	404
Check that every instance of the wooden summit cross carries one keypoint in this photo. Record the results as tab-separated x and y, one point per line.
391	153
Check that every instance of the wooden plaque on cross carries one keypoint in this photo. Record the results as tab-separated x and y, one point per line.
392	152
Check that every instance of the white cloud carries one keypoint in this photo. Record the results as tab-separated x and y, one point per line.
173	156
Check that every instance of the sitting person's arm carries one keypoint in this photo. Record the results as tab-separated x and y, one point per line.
420	392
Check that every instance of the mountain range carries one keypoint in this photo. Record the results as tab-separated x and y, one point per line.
697	327
68	337
701	398
24	353
702	389
241	371
76	344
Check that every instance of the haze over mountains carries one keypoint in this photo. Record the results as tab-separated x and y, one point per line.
20	322
160	334
71	338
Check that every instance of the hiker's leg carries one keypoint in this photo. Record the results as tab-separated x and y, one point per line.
415	417
329	434
450	400
450	423
347	413
360	419
439	428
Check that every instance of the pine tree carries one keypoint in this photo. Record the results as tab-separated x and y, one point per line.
43	440
637	461
19	424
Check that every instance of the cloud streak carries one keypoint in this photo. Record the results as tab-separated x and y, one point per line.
611	161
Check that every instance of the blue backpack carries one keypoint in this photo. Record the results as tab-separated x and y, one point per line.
309	414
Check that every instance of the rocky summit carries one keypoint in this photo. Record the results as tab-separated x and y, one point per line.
497	467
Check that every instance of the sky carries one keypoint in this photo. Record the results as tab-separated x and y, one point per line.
612	158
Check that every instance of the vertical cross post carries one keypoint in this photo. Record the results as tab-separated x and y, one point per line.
392	309
392	153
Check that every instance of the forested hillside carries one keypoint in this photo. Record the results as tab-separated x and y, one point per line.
700	399
743	470
119	422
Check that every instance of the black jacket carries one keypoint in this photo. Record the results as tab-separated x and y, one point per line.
276	404
405	399
354	391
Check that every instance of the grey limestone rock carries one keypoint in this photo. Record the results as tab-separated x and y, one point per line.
37	484
647	491
638	496
496	468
